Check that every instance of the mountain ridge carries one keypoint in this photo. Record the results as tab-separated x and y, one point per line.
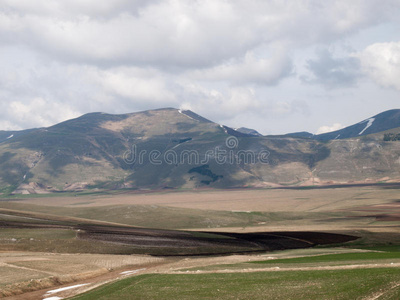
381	122
387	120
172	148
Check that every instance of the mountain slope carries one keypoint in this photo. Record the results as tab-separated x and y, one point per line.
170	148
378	123
301	134
151	149
248	131
6	135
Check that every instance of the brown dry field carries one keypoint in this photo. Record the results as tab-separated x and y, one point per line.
30	275
269	200
371	201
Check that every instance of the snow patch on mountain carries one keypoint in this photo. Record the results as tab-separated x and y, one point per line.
183	113
370	121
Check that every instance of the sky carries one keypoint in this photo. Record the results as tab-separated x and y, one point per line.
277	66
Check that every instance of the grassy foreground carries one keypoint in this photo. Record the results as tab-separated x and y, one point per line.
343	257
334	284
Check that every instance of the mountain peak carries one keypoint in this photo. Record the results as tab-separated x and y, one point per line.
381	122
95	150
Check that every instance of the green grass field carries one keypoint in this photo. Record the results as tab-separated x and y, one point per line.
342	257
337	284
242	283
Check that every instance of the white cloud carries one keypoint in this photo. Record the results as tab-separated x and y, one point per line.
236	106
9	125
40	112
193	36
218	104
249	69
381	61
325	129
134	83
179	33
220	58
75	7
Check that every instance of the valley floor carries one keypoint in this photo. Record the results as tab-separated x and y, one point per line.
58	247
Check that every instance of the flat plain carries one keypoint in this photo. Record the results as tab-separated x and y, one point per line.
53	241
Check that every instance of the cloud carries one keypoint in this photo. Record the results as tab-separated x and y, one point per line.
35	93
325	129
381	61
145	85
193	37
40	112
333	72
105	9
219	58
195	34
249	69
218	104
234	104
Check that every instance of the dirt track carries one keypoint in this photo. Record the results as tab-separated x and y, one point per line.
174	267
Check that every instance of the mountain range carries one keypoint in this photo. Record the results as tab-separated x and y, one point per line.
171	148
384	121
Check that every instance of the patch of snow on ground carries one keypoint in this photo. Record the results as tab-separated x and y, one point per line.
132	272
370	121
52	298
65	288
